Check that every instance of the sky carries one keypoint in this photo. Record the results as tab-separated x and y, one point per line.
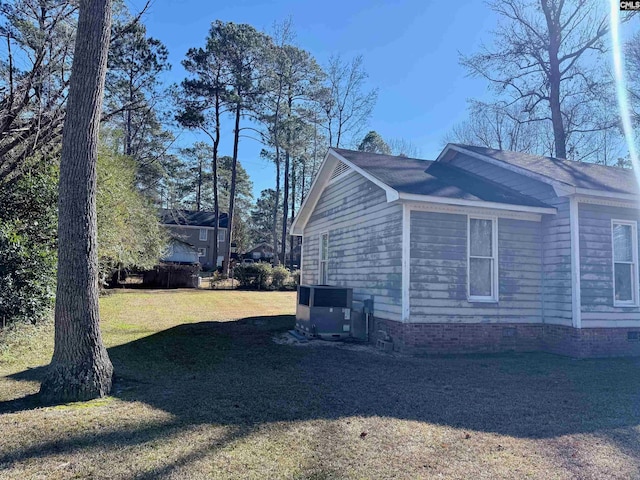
410	47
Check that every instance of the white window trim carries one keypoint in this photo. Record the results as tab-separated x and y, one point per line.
634	266
206	235
495	267
320	260
202	252
222	233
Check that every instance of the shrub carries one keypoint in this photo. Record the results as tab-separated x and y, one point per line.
279	276
129	231
28	246
253	275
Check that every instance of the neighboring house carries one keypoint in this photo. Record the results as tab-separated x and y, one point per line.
480	250
181	252
196	229
262	252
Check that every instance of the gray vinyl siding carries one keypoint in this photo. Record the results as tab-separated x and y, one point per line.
556	248
596	262
556	236
438	271
365	243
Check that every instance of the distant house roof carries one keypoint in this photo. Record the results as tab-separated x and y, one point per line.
577	174
192	218
425	177
261	245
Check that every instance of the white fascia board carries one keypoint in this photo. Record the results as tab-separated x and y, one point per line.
317	187
561	188
608	195
322	180
412	197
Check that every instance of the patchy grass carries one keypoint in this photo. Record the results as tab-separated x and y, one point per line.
203	392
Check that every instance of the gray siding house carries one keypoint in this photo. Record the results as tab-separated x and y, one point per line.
480	250
196	229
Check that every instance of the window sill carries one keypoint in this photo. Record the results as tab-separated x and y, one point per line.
625	305
482	300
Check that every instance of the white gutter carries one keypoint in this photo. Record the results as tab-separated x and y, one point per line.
412	197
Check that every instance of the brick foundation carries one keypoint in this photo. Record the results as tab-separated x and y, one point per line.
592	342
444	338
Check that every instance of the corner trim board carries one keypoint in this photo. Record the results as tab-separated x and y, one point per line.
576	307
406	262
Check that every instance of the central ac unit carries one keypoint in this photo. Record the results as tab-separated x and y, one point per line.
324	311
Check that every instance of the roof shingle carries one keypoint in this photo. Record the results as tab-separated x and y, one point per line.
192	218
577	174
425	177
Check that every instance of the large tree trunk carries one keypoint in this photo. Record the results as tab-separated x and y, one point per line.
199	186
276	205
214	172
276	136
285	196
232	193
80	368
285	206
552	17
293	209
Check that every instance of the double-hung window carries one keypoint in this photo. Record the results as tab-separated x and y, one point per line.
221	236
482	262
625	262
203	234
324	259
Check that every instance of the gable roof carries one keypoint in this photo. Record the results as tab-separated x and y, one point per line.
410	179
584	175
426	177
192	218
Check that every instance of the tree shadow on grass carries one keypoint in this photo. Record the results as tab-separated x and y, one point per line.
232	374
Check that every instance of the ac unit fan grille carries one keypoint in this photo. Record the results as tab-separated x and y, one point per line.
330	297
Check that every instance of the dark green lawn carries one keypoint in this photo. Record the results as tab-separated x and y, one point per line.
199	397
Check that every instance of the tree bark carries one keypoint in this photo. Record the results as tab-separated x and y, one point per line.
285	206
199	187
80	368
214	172
285	196
232	193
274	229
276	205
293	210
553	25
